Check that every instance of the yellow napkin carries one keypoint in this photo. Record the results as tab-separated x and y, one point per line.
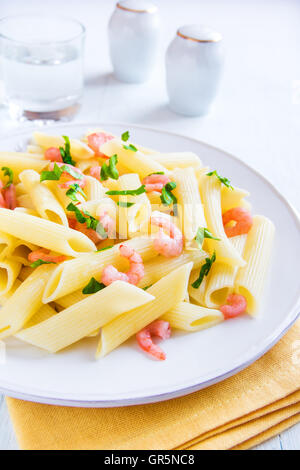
240	412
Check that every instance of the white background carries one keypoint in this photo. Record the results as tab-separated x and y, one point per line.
257	111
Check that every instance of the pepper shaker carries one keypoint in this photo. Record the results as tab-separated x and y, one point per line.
194	62
133	39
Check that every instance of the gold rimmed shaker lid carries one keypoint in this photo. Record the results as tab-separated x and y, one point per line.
199	33
137	6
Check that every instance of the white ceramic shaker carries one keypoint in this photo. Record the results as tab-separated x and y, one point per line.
133	36
194	62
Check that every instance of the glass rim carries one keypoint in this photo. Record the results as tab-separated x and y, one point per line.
82	32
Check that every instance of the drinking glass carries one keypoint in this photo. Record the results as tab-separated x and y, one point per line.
42	66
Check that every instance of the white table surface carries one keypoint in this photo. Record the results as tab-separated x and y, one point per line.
257	111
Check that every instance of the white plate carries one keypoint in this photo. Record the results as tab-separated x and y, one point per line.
194	360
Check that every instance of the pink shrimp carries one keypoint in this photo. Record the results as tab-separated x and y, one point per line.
53	154
243	220
158	328
236	305
106	221
96	140
43	254
10	197
167	245
2	200
133	275
68	179
155	182
95	172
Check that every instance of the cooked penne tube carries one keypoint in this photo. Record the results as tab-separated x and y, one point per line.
20	189
198	294
25	302
79	150
168	292
83	318
177	160
189	203
43	199
20	251
25	202
9	271
94	189
132	219
211	196
6	244
251	278
189	317
135	161
155	269
221	280
160	266
19	163
232	198
76	273
45	233
35	151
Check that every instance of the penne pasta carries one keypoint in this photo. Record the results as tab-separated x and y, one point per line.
24	303
84	317
189	317
251	278
79	150
189	202
6	244
211	196
44	201
132	219
178	160
135	161
9	271
222	277
45	233
20	251
19	162
230	199
75	274
168	292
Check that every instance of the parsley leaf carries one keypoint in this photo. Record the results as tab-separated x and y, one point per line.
110	170
128	192
204	270
167	198
66	152
125	204
57	171
202	233
85	217
74	189
105	248
222	179
55	174
39	262
157	173
130	147
93	286
125	136
8	172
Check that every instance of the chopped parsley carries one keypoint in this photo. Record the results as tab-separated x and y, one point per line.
125	204
222	179
110	170
39	262
93	286
204	270
202	233
66	151
128	192
8	172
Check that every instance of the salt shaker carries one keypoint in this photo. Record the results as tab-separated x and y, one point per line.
194	63
133	37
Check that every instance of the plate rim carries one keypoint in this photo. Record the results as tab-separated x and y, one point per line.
238	366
